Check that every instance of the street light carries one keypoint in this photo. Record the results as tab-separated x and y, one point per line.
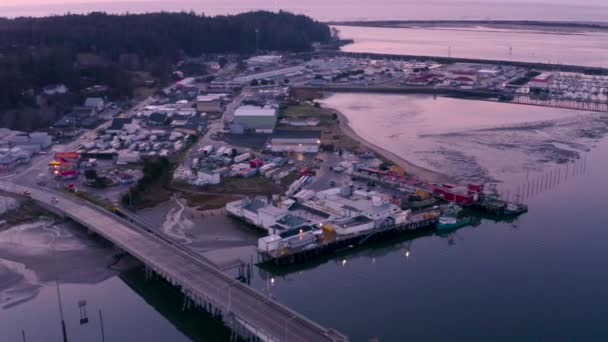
286	322
229	295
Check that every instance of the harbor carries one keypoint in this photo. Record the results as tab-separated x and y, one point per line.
304	224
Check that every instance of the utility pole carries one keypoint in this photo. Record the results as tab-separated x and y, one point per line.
257	40
63	330
103	336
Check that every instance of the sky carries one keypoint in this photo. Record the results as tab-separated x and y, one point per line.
228	2
556	10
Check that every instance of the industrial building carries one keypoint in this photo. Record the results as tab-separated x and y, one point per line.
270	74
13	157
210	103
254	119
264	60
295	141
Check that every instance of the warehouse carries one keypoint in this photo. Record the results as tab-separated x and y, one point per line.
254	119
295	141
210	103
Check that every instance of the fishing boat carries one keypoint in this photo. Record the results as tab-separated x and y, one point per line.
451	220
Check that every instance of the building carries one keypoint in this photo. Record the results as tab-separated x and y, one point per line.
542	81
128	157
210	103
224	85
270	74
13	157
55	89
157	119
255	119
118	124
193	124
264	60
96	103
33	143
295	141
82	113
209	177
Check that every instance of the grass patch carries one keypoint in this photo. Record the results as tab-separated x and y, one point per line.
303	110
208	201
99	201
252	185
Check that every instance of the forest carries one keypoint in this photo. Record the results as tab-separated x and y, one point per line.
100	48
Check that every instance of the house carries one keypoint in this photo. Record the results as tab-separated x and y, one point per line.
158	119
55	89
195	124
81	113
118	124
96	103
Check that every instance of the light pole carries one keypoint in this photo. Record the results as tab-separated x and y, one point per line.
287	322
63	331
229	294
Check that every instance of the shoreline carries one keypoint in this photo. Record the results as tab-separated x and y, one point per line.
565	27
409	167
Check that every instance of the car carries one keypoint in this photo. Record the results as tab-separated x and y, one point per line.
332	183
54	199
27	193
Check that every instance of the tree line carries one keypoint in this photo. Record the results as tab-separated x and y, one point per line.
100	48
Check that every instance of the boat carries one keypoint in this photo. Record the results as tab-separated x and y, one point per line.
513	209
450	219
452	222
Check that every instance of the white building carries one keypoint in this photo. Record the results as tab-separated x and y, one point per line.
256	119
295	141
270	74
264	60
96	103
209	177
542	81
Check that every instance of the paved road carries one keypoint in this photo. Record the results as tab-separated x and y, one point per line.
272	319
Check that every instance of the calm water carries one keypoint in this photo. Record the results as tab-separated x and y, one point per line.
584	48
565	10
538	278
124	312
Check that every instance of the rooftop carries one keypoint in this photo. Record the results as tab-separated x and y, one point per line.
255	111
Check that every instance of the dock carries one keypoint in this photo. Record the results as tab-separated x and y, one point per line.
333	242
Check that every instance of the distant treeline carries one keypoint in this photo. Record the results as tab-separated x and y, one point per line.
99	48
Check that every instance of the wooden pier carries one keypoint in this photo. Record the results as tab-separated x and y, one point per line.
555	102
344	242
